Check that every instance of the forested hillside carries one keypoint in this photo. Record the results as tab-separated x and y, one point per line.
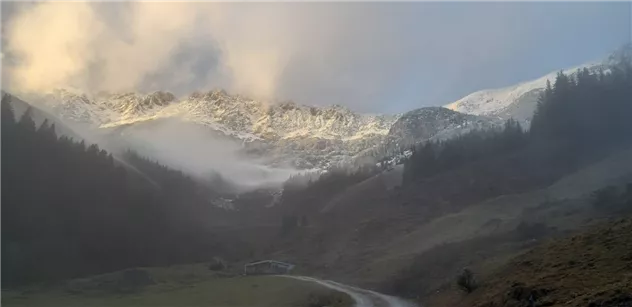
70	210
579	119
579	116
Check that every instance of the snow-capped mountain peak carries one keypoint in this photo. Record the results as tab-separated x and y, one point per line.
517	101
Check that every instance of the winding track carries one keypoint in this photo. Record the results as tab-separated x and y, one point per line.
362	297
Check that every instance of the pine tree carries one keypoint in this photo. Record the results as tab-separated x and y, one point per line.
26	121
43	127
7	113
51	133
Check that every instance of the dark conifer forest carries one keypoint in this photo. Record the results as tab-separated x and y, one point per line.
71	209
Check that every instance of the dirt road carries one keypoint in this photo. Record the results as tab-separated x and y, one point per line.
362	297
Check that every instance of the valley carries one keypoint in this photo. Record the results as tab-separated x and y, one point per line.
188	285
374	210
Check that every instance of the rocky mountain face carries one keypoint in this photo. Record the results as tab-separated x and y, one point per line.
434	123
424	124
302	137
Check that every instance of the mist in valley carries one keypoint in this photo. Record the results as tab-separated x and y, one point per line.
200	152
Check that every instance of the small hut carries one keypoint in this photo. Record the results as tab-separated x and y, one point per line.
267	267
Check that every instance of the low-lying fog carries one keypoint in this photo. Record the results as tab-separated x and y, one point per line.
198	151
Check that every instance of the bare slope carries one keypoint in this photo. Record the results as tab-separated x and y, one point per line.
589	269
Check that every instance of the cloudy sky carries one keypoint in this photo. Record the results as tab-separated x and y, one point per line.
372	57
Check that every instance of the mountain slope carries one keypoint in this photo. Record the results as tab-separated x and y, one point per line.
290	135
240	116
587	269
275	134
433	123
517	101
429	123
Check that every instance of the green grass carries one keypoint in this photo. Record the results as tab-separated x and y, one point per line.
181	286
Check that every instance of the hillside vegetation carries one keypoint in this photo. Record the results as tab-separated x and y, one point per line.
88	214
588	269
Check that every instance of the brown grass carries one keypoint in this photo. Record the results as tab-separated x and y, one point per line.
589	269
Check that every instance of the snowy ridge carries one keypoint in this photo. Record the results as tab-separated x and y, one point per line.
234	115
280	134
105	108
304	136
517	101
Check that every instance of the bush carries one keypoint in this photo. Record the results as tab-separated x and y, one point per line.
217	264
466	281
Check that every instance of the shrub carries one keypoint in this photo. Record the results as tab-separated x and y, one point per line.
217	264
466	281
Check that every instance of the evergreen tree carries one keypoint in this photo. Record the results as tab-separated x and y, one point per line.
7	113
588	109
26	121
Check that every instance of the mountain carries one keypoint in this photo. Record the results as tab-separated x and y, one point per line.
434	123
280	135
279	138
429	123
517	101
